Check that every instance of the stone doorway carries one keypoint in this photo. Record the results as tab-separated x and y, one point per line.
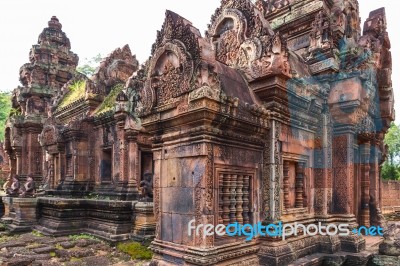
106	166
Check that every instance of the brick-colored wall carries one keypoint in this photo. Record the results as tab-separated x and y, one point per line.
390	196
4	168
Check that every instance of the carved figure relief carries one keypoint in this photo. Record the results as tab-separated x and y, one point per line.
255	51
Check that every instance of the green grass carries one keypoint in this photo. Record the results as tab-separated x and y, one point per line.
33	245
76	92
3	227
73	259
82	236
109	100
135	250
6	238
37	233
53	254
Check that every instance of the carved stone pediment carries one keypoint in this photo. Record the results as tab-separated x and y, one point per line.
116	68
172	66
243	39
51	133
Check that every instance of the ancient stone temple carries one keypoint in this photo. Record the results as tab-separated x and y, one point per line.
276	115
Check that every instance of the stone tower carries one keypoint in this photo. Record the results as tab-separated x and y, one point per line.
51	65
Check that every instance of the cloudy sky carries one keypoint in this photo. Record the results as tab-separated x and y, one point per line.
101	26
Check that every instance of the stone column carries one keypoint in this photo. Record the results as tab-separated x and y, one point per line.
323	167
29	164
286	184
18	154
365	183
75	159
299	185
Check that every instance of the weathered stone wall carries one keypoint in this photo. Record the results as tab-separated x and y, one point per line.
4	167
390	196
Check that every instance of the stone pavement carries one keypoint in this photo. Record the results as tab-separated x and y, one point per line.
35	250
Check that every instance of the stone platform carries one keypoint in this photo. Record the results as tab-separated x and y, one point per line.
106	219
20	213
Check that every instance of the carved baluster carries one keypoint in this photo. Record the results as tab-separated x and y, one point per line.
246	200
221	199
232	206
286	200
226	198
239	199
299	185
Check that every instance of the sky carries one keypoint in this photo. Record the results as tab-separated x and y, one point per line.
95	27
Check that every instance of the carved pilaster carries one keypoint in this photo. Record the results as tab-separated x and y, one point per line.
122	153
272	172
343	173
365	183
221	199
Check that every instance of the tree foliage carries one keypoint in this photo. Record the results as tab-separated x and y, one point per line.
391	168
90	65
5	107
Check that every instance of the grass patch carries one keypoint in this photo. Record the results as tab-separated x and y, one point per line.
82	236
109	100
3	227
53	254
135	250
74	259
33	245
36	233
76	92
58	246
6	238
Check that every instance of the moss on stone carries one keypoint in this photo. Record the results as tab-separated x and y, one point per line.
109	101
82	236
76	92
135	250
37	233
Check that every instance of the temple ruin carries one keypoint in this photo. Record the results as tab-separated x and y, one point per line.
277	114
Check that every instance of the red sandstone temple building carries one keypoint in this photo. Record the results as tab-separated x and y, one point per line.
277	113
